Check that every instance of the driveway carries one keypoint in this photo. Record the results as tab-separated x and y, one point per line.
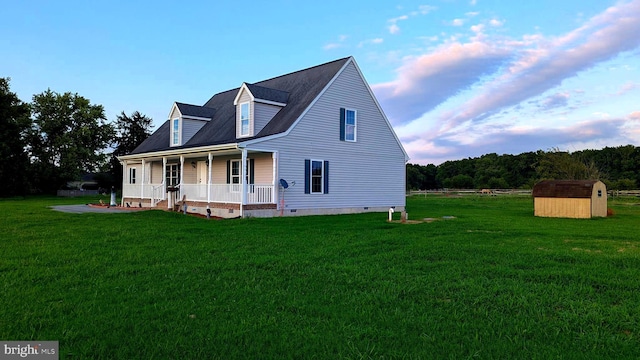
81	209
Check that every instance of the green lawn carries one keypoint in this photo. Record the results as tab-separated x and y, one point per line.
492	283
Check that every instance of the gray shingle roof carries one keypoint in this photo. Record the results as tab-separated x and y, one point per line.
195	110
302	87
264	93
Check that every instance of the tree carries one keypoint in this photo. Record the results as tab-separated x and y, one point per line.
68	137
561	165
14	123
130	132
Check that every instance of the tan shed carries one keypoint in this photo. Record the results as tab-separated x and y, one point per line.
570	199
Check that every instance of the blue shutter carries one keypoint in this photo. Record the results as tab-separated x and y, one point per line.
228	171
342	123
252	167
307	176
326	177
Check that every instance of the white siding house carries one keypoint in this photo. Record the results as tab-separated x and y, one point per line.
319	130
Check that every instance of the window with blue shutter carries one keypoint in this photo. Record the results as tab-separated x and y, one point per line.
316	178
348	125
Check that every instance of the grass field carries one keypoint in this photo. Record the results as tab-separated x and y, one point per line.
492	283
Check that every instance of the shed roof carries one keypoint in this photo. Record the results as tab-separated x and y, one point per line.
564	188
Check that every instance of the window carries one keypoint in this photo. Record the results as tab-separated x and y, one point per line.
234	173
348	125
175	132
132	175
316	177
245	114
172	174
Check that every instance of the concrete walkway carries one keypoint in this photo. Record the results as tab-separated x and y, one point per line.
81	209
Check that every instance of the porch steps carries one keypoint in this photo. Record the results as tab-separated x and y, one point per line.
162	204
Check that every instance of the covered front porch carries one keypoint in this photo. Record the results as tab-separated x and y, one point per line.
225	182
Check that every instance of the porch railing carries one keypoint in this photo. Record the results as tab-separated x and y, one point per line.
229	193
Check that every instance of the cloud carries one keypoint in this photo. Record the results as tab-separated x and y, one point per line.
457	22
428	80
513	140
393	26
555	101
505	74
335	45
630	86
371	41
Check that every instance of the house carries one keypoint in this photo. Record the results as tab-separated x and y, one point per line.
570	198
314	141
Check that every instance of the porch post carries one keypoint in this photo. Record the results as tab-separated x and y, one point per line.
142	180
164	181
243	179
181	174
209	166
124	181
274	182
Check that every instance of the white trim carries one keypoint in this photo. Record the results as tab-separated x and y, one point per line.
181	151
285	133
209	175
237	98
239	123
355	126
172	133
243	181
189	117
174	106
311	177
269	102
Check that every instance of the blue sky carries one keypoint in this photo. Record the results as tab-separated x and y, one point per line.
456	79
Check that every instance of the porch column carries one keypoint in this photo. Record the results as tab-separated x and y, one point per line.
243	177
164	181
142	180
124	181
209	166
275	181
181	174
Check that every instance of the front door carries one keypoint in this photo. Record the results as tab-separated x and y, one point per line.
203	175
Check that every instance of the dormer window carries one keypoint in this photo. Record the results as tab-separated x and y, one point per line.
175	132
245	116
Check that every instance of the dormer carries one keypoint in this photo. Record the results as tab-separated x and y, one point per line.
255	107
186	120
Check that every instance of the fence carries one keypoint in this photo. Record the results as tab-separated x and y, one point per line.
612	193
526	192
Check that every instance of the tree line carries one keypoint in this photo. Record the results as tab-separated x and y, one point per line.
618	167
58	137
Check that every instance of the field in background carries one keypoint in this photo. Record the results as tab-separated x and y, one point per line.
486	279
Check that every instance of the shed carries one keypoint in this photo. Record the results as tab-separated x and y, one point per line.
570	199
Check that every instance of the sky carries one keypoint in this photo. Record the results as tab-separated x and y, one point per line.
456	79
